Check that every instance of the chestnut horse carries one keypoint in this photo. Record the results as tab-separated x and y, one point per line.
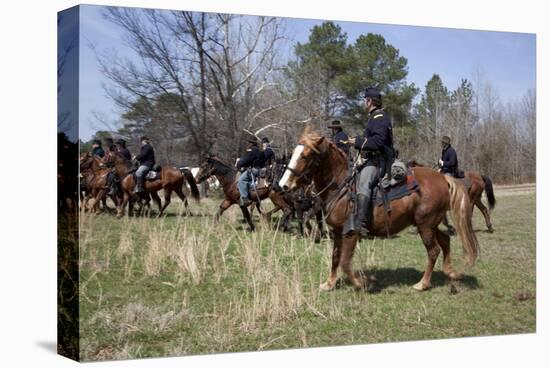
317	156
94	173
227	176
478	184
171	180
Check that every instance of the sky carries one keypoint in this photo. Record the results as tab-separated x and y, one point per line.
506	59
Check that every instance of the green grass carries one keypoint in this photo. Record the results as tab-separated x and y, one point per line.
180	285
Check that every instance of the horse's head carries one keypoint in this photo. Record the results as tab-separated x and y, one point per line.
206	169
305	159
85	161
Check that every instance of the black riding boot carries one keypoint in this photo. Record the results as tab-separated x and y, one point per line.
139	185
354	224
112	184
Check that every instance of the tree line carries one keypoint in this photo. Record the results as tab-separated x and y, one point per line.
206	83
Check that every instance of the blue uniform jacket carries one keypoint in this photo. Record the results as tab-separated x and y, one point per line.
450	161
338	139
125	153
99	152
378	132
146	156
250	159
266	157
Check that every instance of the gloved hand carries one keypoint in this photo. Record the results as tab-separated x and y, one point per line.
441	163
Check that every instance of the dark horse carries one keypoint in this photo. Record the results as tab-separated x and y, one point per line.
476	185
304	203
227	176
425	209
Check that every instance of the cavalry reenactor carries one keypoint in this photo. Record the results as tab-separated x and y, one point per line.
339	137
249	165
449	160
113	180
97	150
376	147
146	159
121	148
110	146
267	154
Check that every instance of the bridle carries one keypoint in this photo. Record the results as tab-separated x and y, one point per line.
312	163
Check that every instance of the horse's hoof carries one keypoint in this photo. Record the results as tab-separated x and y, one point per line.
420	286
490	230
326	287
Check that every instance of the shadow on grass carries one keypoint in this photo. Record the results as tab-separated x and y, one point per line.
380	279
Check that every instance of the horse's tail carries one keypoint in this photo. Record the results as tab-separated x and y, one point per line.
192	184
462	217
489	191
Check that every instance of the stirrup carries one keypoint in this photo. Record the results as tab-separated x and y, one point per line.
244	201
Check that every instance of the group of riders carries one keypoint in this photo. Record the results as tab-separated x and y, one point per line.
145	159
374	147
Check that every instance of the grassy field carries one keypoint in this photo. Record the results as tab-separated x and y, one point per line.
180	285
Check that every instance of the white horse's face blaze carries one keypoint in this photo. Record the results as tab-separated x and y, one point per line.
288	181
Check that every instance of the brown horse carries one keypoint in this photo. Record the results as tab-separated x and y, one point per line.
171	180
476	184
425	209
227	176
94	174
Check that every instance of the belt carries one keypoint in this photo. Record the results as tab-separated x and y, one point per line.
370	154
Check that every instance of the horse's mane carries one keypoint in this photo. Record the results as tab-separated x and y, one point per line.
220	161
310	134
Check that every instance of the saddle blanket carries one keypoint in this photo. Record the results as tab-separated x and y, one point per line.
152	175
404	188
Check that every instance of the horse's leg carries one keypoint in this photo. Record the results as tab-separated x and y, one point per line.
183	198
259	208
85	203
246	215
167	199
157	200
300	215
450	228
99	198
287	216
319	219
223	207
348	248
485	213
122	206
131	212
336	248
444	241
427	233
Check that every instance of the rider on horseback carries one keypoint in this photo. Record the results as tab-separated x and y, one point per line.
267	158
339	137
267	155
146	159
113	179
110	146
248	164
376	148
121	148
97	150
449	160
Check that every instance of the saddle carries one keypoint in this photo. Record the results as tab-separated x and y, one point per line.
399	190
152	175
